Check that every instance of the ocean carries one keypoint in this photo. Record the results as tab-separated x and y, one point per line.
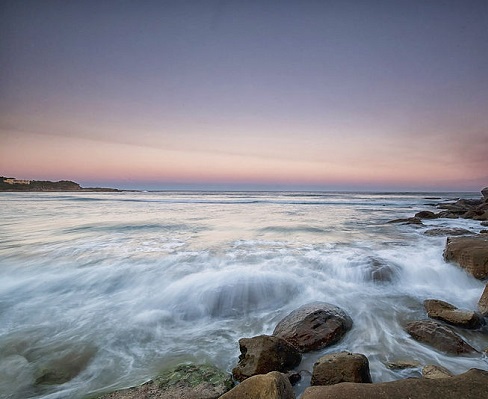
112	287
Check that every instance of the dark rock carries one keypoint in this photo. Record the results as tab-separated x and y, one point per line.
438	336
293	376
426	215
447	232
414	220
470	385
187	381
471	253
381	272
484	223
263	354
447	215
341	367
448	313
484	193
483	302
434	372
314	326
264	386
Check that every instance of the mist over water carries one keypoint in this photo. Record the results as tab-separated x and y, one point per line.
115	286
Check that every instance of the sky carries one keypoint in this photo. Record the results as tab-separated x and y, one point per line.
325	95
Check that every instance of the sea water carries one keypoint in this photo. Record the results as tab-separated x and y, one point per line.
113	287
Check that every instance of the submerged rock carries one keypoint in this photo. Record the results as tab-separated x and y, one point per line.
438	336
426	215
483	302
273	385
470	385
447	232
314	326
433	372
62	366
444	311
341	367
381	272
471	253
186	381
263	354
413	220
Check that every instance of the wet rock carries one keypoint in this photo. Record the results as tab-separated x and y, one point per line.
448	313
60	367
447	232
381	272
414	220
470	385
314	326
433	372
471	253
403	364
187	381
341	367
483	302
438	336
426	215
264	386
263	354
484	223
447	215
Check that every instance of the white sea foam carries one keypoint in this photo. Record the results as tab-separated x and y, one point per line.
138	281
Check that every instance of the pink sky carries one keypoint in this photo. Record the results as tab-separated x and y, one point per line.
281	95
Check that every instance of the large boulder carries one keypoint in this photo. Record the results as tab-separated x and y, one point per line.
314	326
438	336
273	385
186	381
483	302
471	253
341	367
470	385
448	313
263	354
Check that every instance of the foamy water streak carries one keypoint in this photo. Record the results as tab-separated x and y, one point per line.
128	283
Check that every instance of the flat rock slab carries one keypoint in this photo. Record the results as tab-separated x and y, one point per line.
314	326
187	381
263	354
273	385
438	336
340	367
471	253
448	313
438	232
471	385
432	371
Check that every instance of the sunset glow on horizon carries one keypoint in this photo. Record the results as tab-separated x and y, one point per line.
295	95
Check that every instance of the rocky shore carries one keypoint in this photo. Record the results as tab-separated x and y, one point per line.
268	364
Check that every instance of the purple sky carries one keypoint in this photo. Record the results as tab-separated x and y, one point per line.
246	94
